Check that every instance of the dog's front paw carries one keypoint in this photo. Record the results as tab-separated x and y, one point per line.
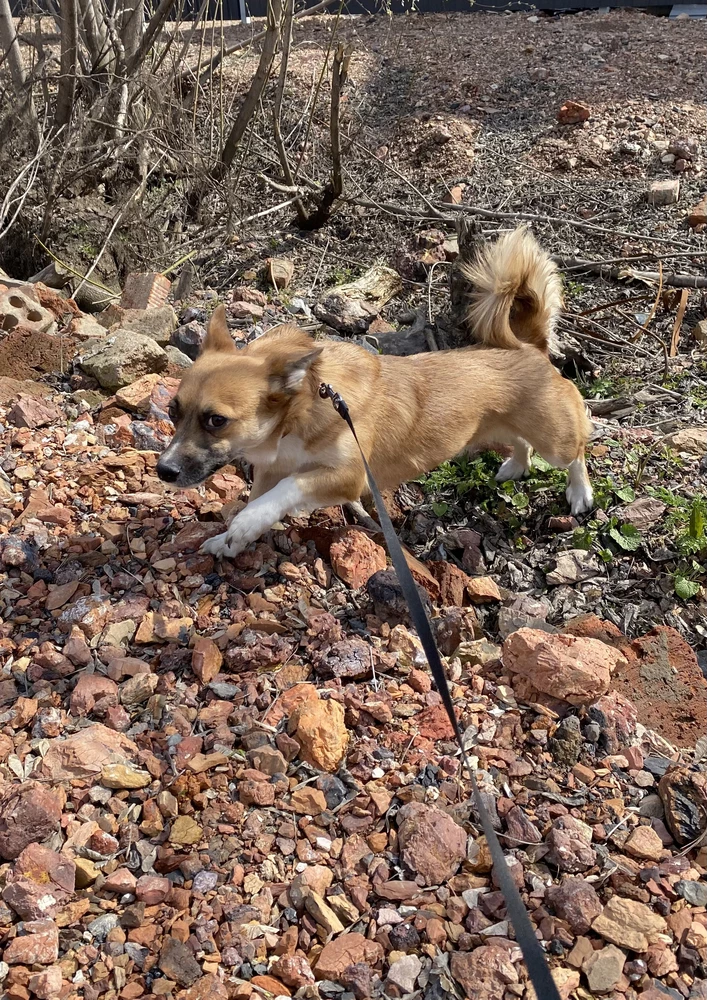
580	498
217	546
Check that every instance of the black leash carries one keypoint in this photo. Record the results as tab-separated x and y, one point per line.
536	963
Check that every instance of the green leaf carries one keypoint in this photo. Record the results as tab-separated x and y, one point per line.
520	501
440	509
627	538
685	589
626	494
697	520
541	464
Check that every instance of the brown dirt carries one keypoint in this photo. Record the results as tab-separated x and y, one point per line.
27	354
665	683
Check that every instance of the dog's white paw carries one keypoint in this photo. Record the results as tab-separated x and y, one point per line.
511	469
580	497
216	546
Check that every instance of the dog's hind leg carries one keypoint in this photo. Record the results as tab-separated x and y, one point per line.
579	493
518	465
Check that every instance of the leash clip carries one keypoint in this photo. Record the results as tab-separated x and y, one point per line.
326	391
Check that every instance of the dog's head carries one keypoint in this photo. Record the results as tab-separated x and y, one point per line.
231	402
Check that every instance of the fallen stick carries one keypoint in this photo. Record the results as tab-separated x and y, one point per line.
624	273
675	339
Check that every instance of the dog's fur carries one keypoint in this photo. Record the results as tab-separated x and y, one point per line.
410	413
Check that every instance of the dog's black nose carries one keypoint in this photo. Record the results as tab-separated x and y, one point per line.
167	472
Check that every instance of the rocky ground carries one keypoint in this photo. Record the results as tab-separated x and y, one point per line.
235	779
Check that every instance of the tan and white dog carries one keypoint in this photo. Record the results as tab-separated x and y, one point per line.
262	403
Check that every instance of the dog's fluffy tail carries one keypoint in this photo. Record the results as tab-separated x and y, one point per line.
517	293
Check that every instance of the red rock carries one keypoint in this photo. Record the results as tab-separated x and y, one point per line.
645	844
431	843
561	666
397	889
145	291
452	583
419	681
206	659
271	985
89	689
77	649
280	271
38	945
121	880
85	753
617	718
698	214
575	901
32	412
256	793
346	950
293	971
572	113
482	590
355	557
29	813
138	395
434	724
246	310
484	973
319	728
46	985
39	883
562	524
569	843
454	195
308	801
207	988
593	627
244	293
117	718
152	890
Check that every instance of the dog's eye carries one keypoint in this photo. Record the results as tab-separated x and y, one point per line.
173	410
215	421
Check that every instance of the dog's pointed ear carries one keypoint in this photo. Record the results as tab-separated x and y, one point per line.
217	336
289	374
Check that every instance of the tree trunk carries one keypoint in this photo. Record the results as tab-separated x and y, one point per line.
11	47
272	35
95	34
153	28
69	49
132	28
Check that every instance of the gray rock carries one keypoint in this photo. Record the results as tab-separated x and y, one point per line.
100	928
177	358
122	358
404	972
158	324
188	338
694	892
